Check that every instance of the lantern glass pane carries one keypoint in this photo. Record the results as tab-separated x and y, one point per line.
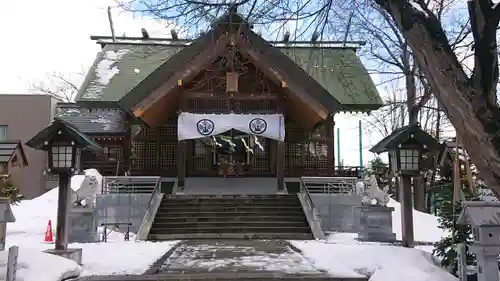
62	156
409	159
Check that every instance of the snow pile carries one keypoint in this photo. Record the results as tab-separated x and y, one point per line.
33	265
121	257
378	262
33	215
425	225
28	233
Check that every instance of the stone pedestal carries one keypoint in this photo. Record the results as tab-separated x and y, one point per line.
71	254
82	225
375	224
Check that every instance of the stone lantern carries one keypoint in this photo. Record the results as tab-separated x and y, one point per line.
484	219
64	144
406	146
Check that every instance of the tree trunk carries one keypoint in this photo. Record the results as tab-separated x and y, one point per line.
469	108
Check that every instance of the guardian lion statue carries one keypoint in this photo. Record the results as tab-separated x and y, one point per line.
373	195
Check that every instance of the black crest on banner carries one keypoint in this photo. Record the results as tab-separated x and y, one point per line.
205	127
257	126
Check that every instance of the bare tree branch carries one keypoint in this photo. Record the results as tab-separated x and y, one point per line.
63	87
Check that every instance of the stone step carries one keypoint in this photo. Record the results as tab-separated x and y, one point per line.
232	203
235	224
215	235
236	197
226	214
188	277
195	217
230	217
229	229
229	197
220	208
253	276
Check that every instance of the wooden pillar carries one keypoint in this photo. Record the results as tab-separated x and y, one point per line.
273	151
62	212
181	163
330	143
419	193
280	164
127	146
182	147
280	150
406	211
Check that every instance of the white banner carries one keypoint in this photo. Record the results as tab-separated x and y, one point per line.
195	126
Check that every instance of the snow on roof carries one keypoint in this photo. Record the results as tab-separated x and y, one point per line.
105	70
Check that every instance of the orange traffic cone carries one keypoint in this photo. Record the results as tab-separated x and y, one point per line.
48	233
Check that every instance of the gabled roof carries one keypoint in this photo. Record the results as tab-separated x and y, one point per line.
11	149
119	68
333	76
341	73
480	213
41	140
404	134
449	151
93	120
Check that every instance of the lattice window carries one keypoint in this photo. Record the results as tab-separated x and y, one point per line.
168	154
113	153
305	152
200	163
293	159
249	106
168	131
207	105
155	150
260	159
294	132
315	156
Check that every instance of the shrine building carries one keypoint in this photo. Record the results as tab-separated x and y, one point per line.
227	104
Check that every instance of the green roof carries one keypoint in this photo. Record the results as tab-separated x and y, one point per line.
119	68
340	72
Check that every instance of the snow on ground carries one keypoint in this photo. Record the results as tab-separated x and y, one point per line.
342	256
35	265
425	225
120	257
248	256
33	215
113	257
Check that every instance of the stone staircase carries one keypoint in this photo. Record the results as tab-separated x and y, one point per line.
230	216
220	277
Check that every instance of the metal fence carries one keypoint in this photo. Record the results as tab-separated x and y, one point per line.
130	184
331	185
124	201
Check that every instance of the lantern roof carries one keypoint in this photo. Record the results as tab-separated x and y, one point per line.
403	135
41	140
479	213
